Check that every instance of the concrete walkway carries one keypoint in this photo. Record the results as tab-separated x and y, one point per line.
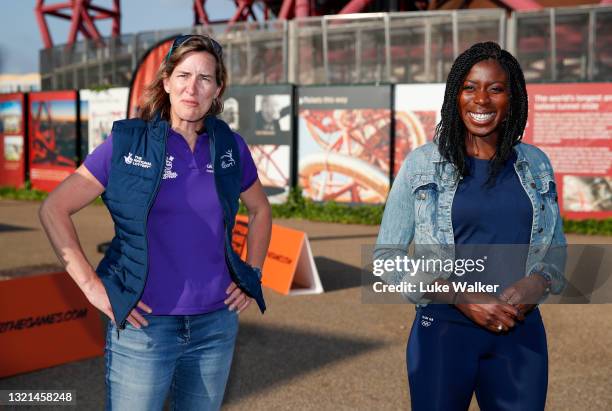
320	352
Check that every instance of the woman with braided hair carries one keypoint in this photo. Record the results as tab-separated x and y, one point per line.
478	184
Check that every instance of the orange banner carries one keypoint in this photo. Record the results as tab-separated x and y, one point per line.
44	321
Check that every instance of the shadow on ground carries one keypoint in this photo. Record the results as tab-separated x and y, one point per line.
267	356
336	275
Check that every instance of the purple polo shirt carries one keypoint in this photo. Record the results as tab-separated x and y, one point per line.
187	269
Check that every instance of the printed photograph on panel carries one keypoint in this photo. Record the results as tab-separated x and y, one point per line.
231	113
417	112
272	163
585	194
11	114
13	148
53	132
262	116
272	114
99	110
344	154
412	130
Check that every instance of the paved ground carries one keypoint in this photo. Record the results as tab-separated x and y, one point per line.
321	352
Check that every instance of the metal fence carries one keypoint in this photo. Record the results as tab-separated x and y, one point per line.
564	44
561	44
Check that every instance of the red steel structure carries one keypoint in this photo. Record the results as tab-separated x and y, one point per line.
82	15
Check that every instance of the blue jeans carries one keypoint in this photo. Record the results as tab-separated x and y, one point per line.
190	355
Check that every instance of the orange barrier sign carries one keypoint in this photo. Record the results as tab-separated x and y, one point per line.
289	267
44	321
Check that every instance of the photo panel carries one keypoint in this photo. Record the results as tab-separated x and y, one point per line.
344	143
12	140
53	134
263	116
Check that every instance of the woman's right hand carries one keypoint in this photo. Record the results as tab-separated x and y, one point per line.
96	294
487	311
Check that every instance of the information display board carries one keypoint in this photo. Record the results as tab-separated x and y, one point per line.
345	143
572	124
12	140
99	109
53	131
262	115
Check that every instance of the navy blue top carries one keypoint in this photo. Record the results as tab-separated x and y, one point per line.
501	214
485	215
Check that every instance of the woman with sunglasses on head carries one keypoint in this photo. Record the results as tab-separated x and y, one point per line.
170	282
477	184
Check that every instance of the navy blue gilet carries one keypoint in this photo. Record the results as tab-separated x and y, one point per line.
139	150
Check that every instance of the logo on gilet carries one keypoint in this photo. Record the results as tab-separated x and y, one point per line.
227	160
136	161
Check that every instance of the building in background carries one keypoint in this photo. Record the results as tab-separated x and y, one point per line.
334	42
11	83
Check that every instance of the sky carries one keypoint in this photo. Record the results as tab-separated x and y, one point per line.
20	39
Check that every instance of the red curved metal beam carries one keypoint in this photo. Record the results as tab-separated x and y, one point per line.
355	6
82	15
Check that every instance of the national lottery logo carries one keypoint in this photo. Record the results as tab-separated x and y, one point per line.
136	161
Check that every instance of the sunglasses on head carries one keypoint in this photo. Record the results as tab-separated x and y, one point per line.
180	40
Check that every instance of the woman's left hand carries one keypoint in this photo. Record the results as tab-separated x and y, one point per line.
237	299
524	294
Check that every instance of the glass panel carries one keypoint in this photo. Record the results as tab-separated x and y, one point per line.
603	46
123	67
407	50
476	28
267	63
533	46
81	78
572	32
237	59
309	54
442	56
356	50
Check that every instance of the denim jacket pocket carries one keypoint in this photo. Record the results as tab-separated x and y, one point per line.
426	190
548	200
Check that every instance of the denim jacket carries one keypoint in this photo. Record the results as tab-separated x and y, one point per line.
419	209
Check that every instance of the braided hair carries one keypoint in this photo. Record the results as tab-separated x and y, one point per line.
450	132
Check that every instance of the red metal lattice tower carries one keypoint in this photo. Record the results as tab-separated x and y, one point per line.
82	15
283	9
244	11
